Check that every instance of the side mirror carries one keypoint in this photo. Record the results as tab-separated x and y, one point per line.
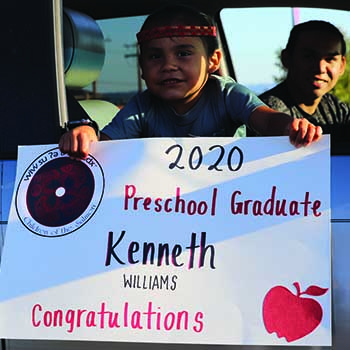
84	49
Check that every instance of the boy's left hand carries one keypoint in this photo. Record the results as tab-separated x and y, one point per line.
303	133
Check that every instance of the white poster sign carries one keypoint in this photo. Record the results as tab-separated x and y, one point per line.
189	240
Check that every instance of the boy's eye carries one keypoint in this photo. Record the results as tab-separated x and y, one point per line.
183	53
153	56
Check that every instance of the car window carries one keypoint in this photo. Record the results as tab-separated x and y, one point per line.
255	37
254	48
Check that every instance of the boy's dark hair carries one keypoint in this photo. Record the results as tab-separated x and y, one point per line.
182	15
314	25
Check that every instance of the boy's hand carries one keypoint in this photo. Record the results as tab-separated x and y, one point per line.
76	142
303	133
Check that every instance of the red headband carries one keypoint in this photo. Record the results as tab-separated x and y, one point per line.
170	31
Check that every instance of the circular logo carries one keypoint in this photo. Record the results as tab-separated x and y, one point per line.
57	195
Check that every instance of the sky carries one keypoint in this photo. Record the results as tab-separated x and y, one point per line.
254	38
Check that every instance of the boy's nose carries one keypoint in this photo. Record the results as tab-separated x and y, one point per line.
169	63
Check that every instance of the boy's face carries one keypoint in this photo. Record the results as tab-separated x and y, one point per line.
176	69
315	65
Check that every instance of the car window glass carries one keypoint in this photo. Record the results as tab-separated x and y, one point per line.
120	77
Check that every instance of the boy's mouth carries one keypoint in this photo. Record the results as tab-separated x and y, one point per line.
168	82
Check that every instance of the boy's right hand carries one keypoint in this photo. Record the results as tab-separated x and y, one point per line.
76	142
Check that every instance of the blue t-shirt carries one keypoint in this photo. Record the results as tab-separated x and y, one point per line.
223	107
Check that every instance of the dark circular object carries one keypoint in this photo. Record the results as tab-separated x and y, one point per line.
60	192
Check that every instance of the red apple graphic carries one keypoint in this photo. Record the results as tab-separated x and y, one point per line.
289	315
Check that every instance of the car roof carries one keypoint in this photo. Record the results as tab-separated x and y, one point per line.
102	9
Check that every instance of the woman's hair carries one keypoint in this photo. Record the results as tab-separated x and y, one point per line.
170	15
314	25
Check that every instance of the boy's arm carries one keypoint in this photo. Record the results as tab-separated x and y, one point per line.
268	122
